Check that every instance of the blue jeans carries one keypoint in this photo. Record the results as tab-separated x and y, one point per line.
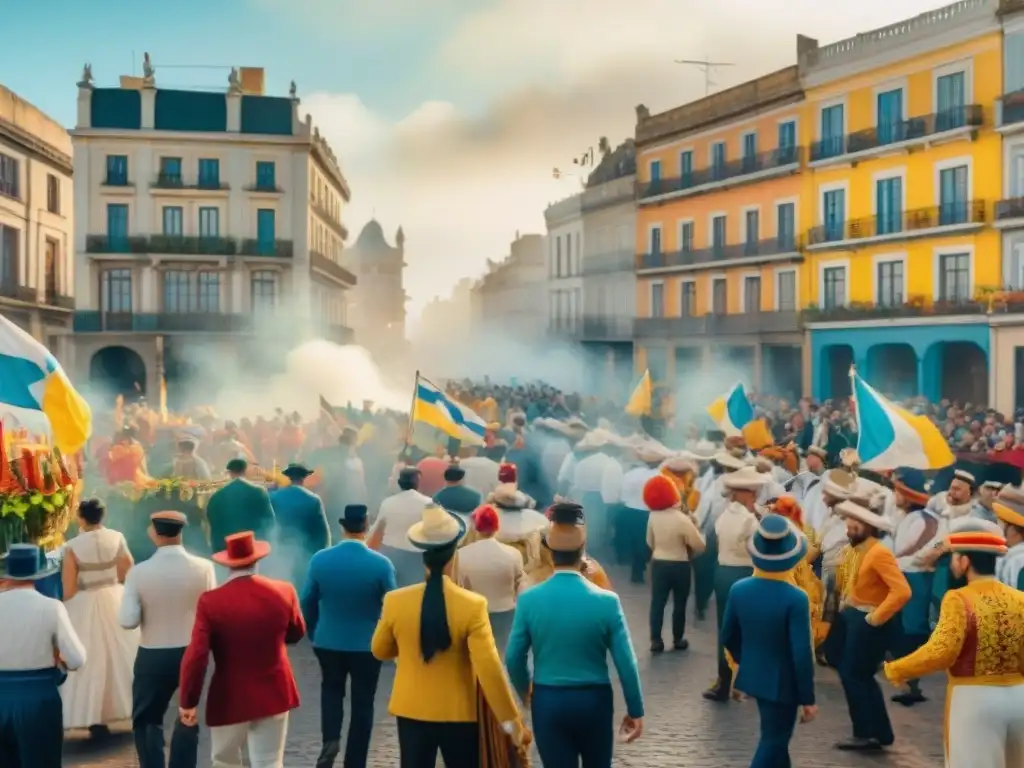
573	725
777	724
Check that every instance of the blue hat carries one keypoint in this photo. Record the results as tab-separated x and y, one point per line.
354	514
27	562
913	480
776	545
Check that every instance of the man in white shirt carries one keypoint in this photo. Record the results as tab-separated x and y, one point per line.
494	570
160	597
37	642
398	513
634	515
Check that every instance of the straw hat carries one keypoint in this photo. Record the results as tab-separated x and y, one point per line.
728	461
745	479
863	514
849	458
684	461
704	450
652	453
776	546
1009	506
437	529
594	439
969	534
839	484
817	450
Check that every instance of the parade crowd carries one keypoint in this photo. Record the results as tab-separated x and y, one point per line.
478	570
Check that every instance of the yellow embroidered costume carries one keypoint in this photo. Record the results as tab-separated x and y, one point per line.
979	642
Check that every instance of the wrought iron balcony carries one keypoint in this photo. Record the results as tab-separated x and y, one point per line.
317	260
609	263
729	171
892	225
1010	208
775	246
92	321
175	181
1010	109
606	328
668	327
162	244
913	129
281	249
11	289
914	307
719	324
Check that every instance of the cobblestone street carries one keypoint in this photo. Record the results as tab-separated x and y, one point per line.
682	730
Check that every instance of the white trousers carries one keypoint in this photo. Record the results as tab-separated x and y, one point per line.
264	738
986	726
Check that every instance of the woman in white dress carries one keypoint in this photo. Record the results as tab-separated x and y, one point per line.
94	567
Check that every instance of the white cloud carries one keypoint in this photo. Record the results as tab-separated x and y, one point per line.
560	74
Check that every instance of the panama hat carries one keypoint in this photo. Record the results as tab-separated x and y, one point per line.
684	461
776	546
594	439
969	534
437	529
850	508
839	484
241	550
728	461
27	562
652	453
1009	506
745	479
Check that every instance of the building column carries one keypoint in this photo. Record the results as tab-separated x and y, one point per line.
148	107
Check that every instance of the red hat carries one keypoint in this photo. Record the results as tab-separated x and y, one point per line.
661	493
241	549
507	473
486	519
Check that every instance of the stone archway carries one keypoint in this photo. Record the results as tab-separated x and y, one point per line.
118	371
961	371
835	363
893	369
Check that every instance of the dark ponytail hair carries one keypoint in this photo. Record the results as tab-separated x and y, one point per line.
92	511
435	636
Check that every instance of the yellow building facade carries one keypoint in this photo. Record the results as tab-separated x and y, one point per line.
903	172
718	235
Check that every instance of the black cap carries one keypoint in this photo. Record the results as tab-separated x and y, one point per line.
237	466
296	470
454	473
353	514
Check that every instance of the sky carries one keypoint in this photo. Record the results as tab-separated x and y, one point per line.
447	116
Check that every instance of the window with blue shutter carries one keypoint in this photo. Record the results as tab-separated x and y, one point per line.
953	196
1013	61
117	227
718	159
686	168
950	108
209	222
170	172
749	152
786	226
266	231
888	206
173	218
117	171
718	234
787	142
265	175
209	173
753	225
834	210
890	116
833	141
656	240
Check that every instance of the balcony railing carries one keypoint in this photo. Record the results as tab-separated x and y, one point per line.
609	263
11	289
913	129
774	246
719	324
607	328
317	260
734	169
187	245
1011	108
1011	208
282	249
91	321
899	222
915	308
175	181
54	299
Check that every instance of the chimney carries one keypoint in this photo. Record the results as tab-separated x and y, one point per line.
806	47
252	80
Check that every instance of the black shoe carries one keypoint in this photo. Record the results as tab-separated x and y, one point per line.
717	692
657	646
859	745
909	698
99	732
328	754
681	645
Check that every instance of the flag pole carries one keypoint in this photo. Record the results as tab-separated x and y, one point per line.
412	412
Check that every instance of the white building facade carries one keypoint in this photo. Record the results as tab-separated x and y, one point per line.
609	267
204	221
510	299
565	239
37	278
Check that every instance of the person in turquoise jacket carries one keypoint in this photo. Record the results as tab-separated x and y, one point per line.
239	506
767	630
571	627
302	528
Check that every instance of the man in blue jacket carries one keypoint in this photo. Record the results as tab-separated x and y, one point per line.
302	528
571	626
767	630
342	602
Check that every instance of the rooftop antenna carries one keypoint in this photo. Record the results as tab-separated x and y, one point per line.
707	67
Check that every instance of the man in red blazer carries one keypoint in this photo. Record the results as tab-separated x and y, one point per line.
246	623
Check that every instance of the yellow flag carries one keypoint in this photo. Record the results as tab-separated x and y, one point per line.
641	400
757	435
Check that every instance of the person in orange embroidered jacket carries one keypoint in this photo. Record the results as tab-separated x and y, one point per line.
979	642
877	592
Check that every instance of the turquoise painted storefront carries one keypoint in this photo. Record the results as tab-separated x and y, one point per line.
879	349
